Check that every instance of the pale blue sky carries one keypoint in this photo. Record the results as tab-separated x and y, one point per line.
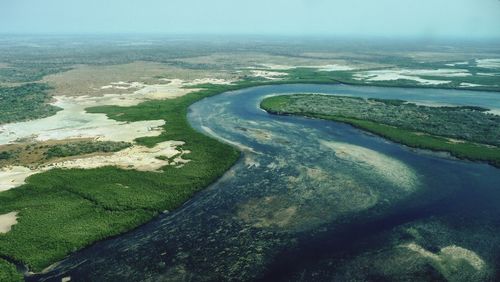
393	18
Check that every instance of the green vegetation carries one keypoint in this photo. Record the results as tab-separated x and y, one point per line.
64	210
72	208
25	102
5	155
27	72
464	123
84	147
34	154
397	122
8	272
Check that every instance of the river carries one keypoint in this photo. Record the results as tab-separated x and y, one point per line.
314	200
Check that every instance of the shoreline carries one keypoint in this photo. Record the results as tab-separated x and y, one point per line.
460	150
209	90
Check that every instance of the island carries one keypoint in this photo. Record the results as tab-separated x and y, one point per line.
466	132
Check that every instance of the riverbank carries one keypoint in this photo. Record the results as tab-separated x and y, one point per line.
271	191
64	210
304	105
75	208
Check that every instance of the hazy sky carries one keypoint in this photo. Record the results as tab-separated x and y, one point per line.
422	18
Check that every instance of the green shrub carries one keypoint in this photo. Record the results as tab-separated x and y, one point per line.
25	102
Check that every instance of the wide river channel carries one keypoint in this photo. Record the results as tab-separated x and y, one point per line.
314	200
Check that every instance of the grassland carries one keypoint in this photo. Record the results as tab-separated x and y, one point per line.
390	123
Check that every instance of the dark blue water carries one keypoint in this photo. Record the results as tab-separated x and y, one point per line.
314	200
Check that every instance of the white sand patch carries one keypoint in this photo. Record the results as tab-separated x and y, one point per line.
465	84
163	91
395	74
390	169
123	85
494	111
74	122
333	67
135	157
6	221
271	75
439	72
487	74
277	67
449	261
457	64
488	63
210	81
144	92
13	176
328	67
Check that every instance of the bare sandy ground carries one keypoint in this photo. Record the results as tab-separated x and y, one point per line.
142	92
258	60
439	72
495	112
135	157
218	81
465	84
457	64
74	122
395	74
86	80
271	75
13	176
326	67
334	67
6	221
122	85
488	74
488	63
277	67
